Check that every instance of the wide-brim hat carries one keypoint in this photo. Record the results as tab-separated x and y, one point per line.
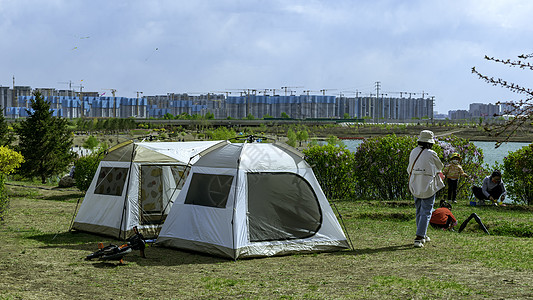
426	136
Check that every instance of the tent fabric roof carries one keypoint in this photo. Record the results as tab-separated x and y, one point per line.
252	157
160	152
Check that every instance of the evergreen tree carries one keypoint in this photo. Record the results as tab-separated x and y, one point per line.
5	136
44	141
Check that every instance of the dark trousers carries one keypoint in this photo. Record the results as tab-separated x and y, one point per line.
452	188
495	192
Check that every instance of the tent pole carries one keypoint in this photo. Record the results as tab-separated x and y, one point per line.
127	195
74	215
78	202
234	208
174	191
339	214
343	225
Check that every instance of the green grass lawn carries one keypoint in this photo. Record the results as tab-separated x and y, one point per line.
40	259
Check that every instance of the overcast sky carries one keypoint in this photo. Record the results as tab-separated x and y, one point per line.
158	47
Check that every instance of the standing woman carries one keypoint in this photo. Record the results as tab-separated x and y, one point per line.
425	180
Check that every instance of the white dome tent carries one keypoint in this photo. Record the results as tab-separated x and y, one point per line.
252	200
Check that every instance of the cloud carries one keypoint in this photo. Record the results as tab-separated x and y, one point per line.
216	45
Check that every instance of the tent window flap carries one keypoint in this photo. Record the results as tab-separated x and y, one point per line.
281	206
209	190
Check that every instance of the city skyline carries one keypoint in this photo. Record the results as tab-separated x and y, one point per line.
67	103
199	47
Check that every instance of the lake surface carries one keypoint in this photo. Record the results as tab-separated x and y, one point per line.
491	154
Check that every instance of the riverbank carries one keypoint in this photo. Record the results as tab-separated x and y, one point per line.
343	131
473	133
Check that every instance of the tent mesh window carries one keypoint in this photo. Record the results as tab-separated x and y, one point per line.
281	206
209	190
111	181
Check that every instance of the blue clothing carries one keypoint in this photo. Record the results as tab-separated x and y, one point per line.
424	209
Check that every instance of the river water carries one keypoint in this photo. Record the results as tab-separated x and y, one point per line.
491	154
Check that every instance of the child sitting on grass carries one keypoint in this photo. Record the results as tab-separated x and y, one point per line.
442	217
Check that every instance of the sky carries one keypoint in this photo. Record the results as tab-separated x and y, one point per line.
422	47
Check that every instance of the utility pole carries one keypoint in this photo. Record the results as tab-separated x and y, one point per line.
82	103
14	100
113	91
378	86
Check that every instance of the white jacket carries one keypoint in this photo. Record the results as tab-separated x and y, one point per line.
424	181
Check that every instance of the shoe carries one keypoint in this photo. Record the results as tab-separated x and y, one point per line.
427	239
419	243
454	201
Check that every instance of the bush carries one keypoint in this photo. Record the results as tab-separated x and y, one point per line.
9	161
90	143
380	166
291	138
84	170
221	133
333	167
518	174
378	169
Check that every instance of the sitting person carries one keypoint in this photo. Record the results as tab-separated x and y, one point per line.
442	217
492	189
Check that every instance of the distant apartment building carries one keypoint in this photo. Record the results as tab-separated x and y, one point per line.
507	109
70	104
484	110
84	106
476	110
459	114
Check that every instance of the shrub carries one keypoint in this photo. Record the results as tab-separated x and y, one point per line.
518	174
291	138
221	133
380	166
9	161
333	167
90	143
84	170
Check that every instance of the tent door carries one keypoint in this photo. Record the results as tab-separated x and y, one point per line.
159	185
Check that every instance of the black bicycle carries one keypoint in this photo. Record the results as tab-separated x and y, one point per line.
114	252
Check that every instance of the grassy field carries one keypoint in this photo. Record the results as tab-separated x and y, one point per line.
40	259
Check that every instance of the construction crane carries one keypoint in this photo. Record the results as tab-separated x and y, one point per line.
263	91
309	91
324	91
241	91
113	91
222	92
286	88
69	86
